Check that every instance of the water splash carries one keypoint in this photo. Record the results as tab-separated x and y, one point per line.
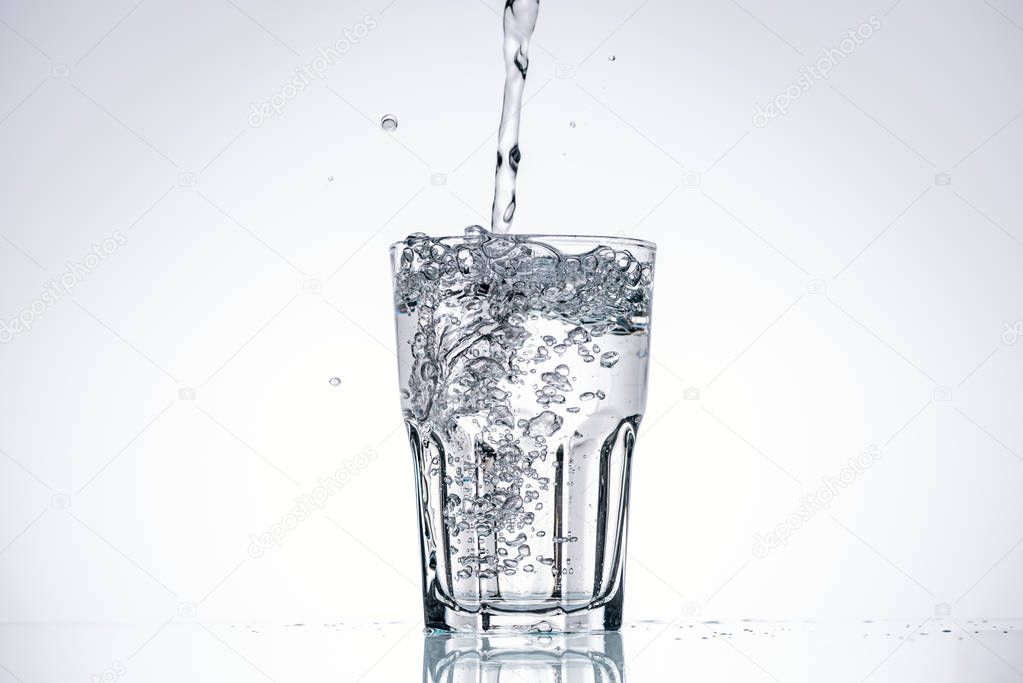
519	22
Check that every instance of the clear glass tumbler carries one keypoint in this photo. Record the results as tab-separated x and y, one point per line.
523	369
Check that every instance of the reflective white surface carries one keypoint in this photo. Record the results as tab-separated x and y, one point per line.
934	650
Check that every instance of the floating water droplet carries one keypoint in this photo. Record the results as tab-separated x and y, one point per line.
610	359
611	58
571	124
330	179
389	122
335	381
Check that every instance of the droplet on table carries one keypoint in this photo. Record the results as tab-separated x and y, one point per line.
389	122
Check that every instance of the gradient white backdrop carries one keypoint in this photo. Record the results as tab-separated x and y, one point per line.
849	275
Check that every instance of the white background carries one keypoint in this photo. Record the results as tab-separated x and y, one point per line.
819	290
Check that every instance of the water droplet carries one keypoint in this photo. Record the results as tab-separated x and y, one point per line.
571	124
610	359
611	58
330	179
335	381
389	122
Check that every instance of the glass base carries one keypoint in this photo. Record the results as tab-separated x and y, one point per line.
544	618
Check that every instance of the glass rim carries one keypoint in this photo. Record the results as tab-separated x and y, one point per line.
595	240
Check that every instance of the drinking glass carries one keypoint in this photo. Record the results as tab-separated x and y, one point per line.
523	370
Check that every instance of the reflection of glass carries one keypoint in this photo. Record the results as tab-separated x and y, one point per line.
527	658
523	365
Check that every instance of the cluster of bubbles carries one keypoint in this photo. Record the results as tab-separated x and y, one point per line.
476	302
519	275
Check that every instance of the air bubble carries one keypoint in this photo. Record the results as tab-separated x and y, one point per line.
544	424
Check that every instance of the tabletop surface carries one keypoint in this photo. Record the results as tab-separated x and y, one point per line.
933	650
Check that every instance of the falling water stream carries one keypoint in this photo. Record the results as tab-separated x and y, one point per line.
519	22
